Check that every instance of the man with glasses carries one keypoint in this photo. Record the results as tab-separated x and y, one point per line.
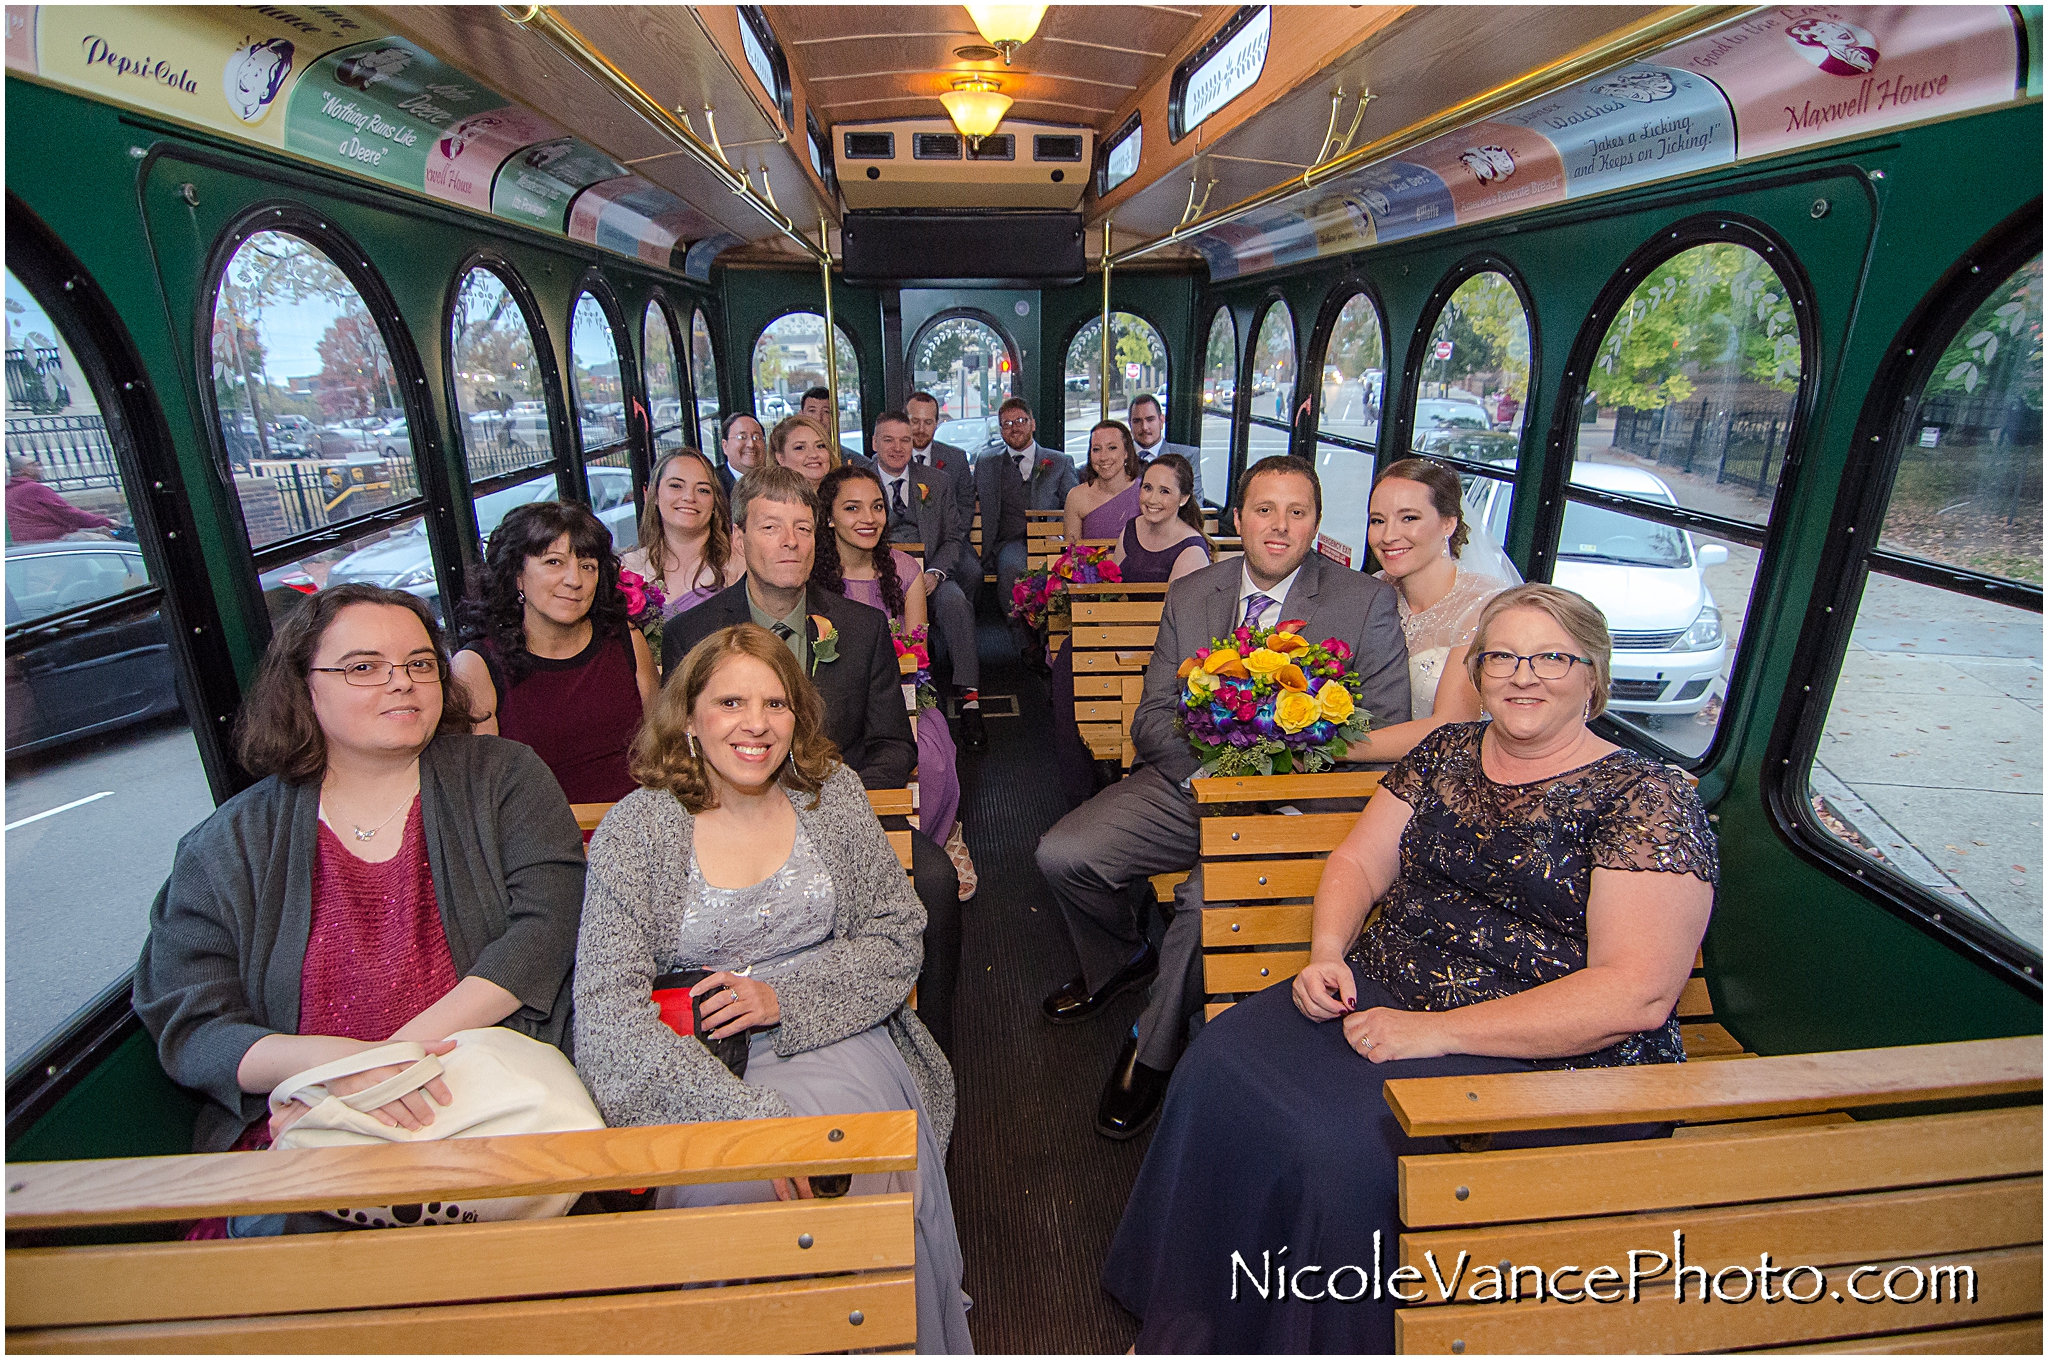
742	443
955	468
1148	427
1099	855
1009	480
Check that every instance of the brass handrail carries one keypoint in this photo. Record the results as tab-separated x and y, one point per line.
1627	44
547	21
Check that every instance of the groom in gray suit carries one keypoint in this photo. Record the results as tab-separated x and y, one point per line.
1148	427
1097	856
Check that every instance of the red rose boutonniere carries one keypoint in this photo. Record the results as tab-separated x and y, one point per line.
1045	465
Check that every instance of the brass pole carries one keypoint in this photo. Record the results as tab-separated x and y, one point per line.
831	334
1631	43
547	21
1105	321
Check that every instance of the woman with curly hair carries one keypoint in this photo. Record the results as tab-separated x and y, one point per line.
852	560
801	444
686	543
548	641
750	851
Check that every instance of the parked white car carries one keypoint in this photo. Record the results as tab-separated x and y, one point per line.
1670	651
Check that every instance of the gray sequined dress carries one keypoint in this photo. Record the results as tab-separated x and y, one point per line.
762	931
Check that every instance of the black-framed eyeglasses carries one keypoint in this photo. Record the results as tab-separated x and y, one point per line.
1543	665
423	670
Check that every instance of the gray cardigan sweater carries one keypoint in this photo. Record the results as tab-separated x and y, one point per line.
227	934
642	1072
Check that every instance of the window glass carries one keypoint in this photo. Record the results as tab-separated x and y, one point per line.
103	775
1930	759
1689	403
664	382
789	360
1968	492
307	397
1475	369
1354	377
1137	365
1697	377
1219	395
600	386
704	381
1272	384
966	364
499	386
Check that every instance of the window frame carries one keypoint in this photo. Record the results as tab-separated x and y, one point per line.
702	310
1886	421
821	148
1261	310
1403	426
422	429
594	285
754	396
756	20
1555	489
1133	126
1231	454
679	356
1163	391
1177	88
1342	293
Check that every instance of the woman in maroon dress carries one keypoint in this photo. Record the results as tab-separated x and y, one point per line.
549	652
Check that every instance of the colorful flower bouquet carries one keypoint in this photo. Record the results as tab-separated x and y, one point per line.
644	601
913	642
1040	595
1269	701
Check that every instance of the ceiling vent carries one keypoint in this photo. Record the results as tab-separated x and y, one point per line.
926	163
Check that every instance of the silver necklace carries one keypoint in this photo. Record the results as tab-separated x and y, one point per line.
370	833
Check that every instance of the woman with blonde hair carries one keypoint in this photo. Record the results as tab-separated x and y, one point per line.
686	545
751	852
801	444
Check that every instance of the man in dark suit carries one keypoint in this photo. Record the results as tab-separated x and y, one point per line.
817	404
956	468
742	443
921	511
1148	428
775	526
1008	481
1098	855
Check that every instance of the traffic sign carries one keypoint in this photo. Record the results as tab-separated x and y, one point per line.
1443	349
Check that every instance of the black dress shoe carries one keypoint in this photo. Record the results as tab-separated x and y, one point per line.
1132	1097
973	734
1074	1003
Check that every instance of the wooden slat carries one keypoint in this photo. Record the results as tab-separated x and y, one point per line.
1313	833
1149	590
1693	1002
1671	1173
1792	1084
170	1281
1118	611
1281	788
1121	660
212	1185
899	841
1250	972
1133	690
795	1316
1164	884
1749	1128
1098	637
1099	710
891	802
1708	1041
1260	880
2008	1284
1098	686
2022	1337
1846	1229
1289	923
588	815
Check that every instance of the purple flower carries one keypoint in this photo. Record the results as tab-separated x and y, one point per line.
1264	724
1320	731
1241	738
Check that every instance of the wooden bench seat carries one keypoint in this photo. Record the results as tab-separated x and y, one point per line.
1769	1159
1112	642
802	1276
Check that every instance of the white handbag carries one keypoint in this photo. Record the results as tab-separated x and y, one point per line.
501	1081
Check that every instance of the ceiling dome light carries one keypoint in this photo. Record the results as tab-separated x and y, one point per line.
1006	27
976	107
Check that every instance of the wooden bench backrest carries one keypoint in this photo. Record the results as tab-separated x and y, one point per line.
841	1270
1817	1189
886	803
1112	642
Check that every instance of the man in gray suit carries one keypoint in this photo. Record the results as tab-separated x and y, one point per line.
956	468
1096	857
1148	427
921	511
1008	481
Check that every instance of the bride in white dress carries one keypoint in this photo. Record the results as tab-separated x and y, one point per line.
1416	528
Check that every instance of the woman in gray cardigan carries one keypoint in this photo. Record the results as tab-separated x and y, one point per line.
749	850
392	877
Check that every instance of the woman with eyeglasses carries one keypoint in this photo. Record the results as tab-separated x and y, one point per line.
1540	893
550	653
388	877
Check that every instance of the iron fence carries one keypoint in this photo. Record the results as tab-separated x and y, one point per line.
75	451
1743	448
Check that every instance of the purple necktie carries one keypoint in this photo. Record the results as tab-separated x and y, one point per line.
1256	606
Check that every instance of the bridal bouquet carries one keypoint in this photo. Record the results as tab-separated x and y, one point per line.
1041	593
644	601
1269	701
913	643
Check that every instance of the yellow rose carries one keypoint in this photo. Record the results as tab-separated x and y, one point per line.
1286	642
1264	662
1226	661
1290	676
1335	702
1201	684
1294	710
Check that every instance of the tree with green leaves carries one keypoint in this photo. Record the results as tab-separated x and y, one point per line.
1712	315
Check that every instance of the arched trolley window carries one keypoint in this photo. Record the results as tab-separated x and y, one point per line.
1348	406
1137	367
499	369
1219	406
704	381
668	420
789	360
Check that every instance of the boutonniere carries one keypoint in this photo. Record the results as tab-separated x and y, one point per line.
1045	465
924	491
824	642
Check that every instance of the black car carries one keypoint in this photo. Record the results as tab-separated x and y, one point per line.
81	674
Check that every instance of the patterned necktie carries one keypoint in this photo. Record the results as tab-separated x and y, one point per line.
1255	607
896	506
782	630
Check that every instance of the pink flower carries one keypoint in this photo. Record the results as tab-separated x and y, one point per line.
635	587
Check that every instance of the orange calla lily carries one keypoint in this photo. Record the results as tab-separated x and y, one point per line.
1187	668
1290	676
1286	642
1226	661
